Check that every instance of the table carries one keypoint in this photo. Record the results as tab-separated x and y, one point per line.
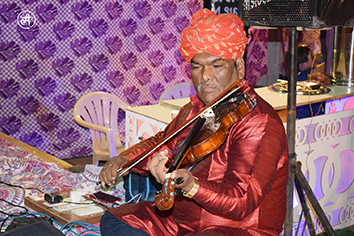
63	217
145	121
25	166
279	100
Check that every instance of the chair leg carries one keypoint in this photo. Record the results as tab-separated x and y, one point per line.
95	159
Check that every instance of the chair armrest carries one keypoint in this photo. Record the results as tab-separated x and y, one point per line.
91	126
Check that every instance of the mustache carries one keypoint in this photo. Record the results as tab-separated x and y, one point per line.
207	84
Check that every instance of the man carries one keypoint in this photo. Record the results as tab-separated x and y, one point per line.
307	63
240	188
309	69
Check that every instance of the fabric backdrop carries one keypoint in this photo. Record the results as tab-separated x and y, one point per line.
126	47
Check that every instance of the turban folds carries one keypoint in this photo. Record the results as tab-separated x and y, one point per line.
220	35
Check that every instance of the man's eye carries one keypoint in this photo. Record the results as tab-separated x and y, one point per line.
217	66
195	67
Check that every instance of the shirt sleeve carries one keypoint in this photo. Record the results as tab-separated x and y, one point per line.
151	142
252	152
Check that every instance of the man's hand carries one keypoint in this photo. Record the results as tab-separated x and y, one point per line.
158	170
157	166
188	179
108	173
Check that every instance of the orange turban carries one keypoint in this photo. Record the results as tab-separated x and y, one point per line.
220	35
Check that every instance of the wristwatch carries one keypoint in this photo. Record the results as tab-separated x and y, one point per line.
193	190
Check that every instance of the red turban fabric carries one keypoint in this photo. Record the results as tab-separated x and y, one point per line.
220	35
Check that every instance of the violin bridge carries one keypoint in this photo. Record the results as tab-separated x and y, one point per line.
208	113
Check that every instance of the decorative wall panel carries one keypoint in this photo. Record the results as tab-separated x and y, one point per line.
325	146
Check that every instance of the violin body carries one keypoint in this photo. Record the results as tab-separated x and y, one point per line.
226	118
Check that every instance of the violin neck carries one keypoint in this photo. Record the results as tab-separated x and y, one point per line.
198	124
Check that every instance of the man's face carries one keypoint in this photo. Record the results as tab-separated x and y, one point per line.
308	64
211	75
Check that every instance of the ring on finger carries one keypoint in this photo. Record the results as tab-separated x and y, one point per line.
110	164
104	168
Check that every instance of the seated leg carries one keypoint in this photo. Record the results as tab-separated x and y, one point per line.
111	225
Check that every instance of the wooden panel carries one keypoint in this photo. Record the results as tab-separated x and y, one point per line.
65	216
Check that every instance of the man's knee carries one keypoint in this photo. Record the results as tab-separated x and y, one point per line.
111	225
108	222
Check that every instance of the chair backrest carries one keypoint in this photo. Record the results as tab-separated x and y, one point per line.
180	90
99	112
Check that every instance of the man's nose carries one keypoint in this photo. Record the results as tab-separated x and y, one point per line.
207	74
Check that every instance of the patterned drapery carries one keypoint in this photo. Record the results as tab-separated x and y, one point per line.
128	48
257	55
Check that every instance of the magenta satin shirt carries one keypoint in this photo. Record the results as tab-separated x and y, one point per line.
242	184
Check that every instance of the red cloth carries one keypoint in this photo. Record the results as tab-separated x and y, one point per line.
221	35
242	184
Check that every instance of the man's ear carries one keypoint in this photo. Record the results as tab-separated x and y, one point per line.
240	67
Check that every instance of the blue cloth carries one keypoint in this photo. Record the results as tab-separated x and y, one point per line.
111	225
305	110
139	188
302	75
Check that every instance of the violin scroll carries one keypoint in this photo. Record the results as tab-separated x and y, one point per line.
165	198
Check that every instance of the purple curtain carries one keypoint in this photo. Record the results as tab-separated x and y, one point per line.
257	55
128	48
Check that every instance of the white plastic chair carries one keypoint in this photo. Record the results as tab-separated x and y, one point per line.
98	111
180	90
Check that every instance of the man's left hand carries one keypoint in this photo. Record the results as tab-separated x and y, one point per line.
188	179
157	166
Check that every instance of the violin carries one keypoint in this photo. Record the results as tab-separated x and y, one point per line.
205	112
225	117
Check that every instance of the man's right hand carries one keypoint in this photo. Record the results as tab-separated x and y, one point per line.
108	173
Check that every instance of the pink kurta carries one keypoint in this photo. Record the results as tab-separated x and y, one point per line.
242	184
